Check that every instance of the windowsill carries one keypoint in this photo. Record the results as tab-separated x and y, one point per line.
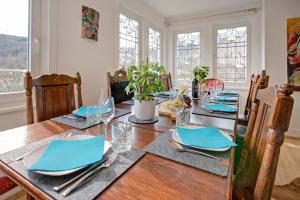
12	102
11	109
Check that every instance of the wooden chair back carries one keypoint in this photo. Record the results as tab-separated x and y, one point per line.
211	83
167	81
268	121
263	80
116	85
54	95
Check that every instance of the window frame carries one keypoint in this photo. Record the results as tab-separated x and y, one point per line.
176	33
131	15
231	85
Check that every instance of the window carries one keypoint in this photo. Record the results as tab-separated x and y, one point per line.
154	46
129	41
232	54
187	55
14	21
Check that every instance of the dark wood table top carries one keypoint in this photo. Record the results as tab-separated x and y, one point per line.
152	177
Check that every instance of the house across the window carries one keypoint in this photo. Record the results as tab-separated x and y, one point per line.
232	54
154	46
187	55
128	41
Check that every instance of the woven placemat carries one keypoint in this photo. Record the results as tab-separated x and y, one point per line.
88	191
81	123
161	147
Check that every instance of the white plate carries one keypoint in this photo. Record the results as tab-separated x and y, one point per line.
177	139
36	154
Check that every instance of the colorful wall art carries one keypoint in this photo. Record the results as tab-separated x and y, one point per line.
90	23
293	47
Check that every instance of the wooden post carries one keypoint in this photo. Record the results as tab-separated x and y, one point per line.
29	104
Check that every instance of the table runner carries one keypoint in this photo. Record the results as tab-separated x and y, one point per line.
198	110
161	147
86	192
81	124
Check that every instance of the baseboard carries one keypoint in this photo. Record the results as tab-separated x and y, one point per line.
293	134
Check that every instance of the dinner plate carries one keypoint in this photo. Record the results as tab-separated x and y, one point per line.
177	139
36	154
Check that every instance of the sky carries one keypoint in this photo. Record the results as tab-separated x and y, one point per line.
14	17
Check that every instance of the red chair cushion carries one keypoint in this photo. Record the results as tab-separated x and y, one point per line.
6	184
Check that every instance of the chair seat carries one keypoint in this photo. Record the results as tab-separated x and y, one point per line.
240	135
243	120
6	185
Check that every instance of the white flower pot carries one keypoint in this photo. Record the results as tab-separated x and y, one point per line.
144	110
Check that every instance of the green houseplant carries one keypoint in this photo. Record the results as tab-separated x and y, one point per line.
144	82
200	73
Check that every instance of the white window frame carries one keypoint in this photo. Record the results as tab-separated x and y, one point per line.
176	33
155	28
15	101
230	85
131	15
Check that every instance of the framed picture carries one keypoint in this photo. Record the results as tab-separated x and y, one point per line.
293	48
90	23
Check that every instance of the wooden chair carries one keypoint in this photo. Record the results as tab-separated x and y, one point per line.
167	81
117	84
268	121
213	83
54	95
263	81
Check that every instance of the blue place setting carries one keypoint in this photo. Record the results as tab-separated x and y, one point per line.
210	138
228	93
220	107
59	155
224	98
82	111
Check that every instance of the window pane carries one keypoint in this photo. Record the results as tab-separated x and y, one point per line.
154	46
129	41
13	44
187	55
232	54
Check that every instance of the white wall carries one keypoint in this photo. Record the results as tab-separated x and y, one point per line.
62	50
206	26
276	14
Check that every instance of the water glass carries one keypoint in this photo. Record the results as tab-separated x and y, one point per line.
92	115
122	136
183	116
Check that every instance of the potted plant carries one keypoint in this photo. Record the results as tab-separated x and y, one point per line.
144	82
200	73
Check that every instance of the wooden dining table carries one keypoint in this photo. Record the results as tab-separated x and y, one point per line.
152	177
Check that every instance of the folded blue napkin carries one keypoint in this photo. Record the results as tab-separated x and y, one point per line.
82	111
228	92
209	137
63	155
225	98
220	107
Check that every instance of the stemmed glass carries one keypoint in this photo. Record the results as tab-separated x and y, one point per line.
106	110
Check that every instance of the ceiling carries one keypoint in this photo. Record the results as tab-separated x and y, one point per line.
182	8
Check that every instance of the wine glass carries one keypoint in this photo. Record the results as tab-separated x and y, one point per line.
106	112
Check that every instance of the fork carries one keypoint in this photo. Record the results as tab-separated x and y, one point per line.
63	185
181	148
83	179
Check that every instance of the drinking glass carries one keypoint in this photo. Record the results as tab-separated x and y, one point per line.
183	116
92	115
122	136
106	112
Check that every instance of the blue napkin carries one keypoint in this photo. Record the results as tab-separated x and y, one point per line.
228	92
225	98
166	93
209	137
63	155
82	111
220	107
